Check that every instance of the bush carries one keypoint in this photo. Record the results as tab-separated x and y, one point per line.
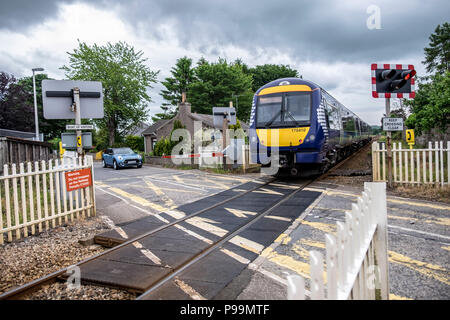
135	142
165	146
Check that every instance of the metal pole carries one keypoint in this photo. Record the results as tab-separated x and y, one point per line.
388	144
35	109
76	99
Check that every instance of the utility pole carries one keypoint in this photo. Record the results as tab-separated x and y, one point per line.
388	144
76	99
35	103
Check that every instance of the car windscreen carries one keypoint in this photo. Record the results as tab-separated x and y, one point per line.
123	151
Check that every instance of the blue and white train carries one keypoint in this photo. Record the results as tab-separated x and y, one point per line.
310	128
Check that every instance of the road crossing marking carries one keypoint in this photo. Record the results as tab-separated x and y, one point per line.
268	191
150	255
111	224
278	218
240	213
237	257
191	292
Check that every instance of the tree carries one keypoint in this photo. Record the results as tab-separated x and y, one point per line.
437	55
50	128
16	112
216	84
125	78
182	77
431	106
266	73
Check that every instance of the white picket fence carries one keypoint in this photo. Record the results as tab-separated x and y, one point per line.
356	258
413	166
35	198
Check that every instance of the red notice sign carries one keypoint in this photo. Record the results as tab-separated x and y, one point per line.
78	179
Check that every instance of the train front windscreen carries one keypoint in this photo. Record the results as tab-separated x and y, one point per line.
283	110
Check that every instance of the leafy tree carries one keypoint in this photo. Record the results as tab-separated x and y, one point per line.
216	84
182	77
125	78
266	73
431	106
16	112
437	55
50	128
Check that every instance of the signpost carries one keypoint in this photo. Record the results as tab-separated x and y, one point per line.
222	117
392	124
61	99
78	179
396	81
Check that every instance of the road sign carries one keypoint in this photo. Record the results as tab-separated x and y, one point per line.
393	80
410	136
219	113
70	142
392	124
78	179
58	99
79	127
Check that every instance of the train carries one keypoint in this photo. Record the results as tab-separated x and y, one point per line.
309	128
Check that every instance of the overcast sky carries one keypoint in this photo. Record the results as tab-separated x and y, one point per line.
328	42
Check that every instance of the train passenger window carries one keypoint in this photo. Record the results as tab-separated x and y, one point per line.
269	109
298	106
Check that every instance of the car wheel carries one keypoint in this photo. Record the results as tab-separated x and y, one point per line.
116	167
104	163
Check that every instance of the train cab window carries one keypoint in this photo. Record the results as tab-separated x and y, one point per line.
269	110
298	107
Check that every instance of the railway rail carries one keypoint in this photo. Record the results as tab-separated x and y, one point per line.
147	290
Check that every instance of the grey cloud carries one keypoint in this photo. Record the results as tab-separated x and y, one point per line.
307	30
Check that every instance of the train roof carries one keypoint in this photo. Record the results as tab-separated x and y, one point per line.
312	85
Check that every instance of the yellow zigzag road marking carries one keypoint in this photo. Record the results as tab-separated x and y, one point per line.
167	201
325	227
427	269
139	200
395	297
283	239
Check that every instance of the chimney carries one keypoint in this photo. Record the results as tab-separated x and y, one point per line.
184	108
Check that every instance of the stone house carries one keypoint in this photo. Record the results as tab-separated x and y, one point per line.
162	128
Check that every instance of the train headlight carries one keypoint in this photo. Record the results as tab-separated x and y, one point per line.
312	137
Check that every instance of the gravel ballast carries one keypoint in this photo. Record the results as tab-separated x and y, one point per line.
36	256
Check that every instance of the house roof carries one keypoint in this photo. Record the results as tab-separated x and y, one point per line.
158	124
207	119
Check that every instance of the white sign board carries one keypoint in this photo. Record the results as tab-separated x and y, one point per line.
220	112
392	124
79	127
57	99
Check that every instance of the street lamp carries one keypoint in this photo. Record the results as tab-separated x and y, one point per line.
35	103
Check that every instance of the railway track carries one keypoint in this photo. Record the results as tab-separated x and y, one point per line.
134	277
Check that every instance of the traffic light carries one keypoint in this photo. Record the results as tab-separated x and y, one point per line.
393	81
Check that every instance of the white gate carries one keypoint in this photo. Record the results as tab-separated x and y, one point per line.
356	258
36	198
413	166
